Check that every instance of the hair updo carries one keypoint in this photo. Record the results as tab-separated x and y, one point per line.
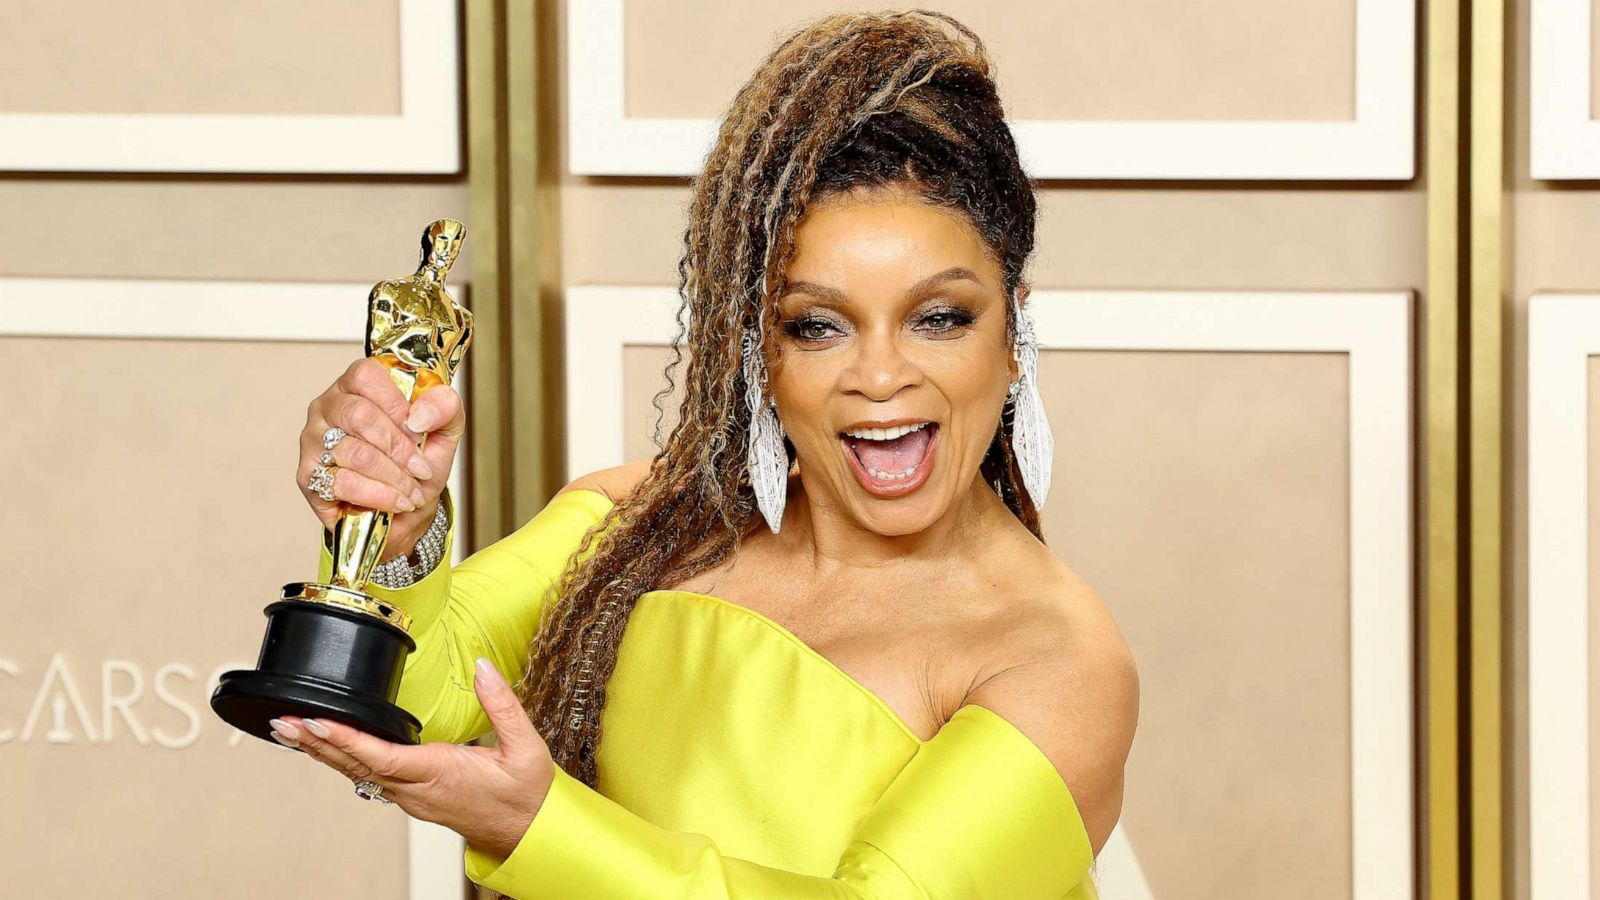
849	101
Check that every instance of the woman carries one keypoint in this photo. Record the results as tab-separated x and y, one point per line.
894	688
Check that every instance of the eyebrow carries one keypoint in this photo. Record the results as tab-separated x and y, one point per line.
832	296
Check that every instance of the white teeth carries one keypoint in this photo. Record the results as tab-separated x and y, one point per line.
885	434
897	476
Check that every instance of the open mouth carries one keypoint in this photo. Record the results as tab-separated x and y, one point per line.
896	460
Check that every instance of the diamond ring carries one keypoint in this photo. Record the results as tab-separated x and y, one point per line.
332	436
321	482
371	790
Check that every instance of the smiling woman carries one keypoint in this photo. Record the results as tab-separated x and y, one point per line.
894	689
873	343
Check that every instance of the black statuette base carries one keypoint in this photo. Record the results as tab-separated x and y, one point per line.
322	661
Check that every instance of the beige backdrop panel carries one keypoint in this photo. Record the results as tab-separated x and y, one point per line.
628	231
357	230
1206	496
1105	59
643	368
1554	228
151	516
200	56
1157	236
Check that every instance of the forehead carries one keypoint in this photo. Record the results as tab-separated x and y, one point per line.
885	236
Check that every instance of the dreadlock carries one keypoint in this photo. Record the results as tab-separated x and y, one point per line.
850	101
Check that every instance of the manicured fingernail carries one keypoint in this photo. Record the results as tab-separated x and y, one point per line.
420	420
285	729
416	497
485	668
291	744
419	467
316	728
405	503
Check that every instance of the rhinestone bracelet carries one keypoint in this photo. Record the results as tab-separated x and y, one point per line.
401	571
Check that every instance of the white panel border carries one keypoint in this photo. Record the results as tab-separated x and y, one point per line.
1563	332
238	311
424	139
1565	138
1373	328
1377	144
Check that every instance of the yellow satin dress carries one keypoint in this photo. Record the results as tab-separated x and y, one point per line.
735	760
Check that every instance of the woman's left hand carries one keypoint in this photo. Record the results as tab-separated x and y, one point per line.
488	795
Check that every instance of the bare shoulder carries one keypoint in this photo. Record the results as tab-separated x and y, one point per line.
1067	680
616	482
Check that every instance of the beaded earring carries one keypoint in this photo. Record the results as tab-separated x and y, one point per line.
1031	440
766	457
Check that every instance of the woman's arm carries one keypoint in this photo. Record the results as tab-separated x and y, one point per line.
983	810
489	605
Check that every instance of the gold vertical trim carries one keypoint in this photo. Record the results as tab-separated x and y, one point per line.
486	416
533	193
527	389
515	461
1486	461
1441	446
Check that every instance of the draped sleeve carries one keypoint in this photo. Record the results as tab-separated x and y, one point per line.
979	811
489	605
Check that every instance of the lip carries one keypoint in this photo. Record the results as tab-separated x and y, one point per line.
886	423
898	488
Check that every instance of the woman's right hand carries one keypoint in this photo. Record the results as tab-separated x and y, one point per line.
378	464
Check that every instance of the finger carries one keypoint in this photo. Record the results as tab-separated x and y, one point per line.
439	410
356	455
512	726
359	490
439	404
359	416
363	755
440	447
366	377
291	731
439	413
400	793
350	485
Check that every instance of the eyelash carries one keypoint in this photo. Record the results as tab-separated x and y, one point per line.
958	317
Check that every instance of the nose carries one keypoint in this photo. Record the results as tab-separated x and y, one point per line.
880	369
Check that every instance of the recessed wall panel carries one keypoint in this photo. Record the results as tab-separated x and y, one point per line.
1206	496
644	369
290	57
152	515
1227	60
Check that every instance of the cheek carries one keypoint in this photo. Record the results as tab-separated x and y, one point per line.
803	391
969	381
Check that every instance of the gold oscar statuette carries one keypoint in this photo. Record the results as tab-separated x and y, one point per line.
333	650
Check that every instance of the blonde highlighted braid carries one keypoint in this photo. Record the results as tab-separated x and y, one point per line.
847	102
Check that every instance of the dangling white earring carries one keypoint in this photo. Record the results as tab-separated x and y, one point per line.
766	457
1031	440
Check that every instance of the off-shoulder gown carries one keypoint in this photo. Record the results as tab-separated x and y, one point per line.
736	761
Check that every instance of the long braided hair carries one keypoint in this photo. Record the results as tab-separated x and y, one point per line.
848	101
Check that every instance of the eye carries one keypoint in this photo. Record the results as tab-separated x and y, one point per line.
806	329
948	319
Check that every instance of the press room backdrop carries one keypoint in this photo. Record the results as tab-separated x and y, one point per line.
1252	283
